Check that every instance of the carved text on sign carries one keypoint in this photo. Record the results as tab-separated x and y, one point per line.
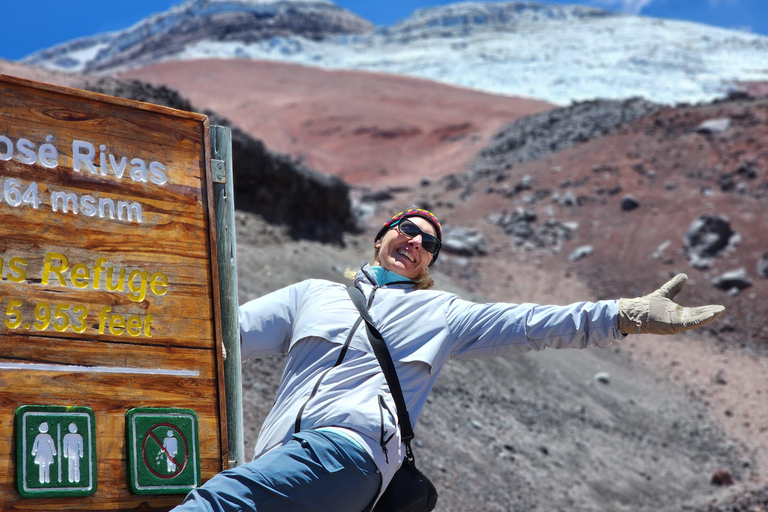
84	159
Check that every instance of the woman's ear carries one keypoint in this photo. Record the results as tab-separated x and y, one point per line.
377	245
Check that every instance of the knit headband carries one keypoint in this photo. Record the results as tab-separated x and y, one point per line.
413	212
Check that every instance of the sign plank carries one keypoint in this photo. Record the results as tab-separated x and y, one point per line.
108	280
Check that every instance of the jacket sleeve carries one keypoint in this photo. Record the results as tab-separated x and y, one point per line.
500	329
266	323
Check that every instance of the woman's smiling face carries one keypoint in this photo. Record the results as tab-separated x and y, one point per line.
402	255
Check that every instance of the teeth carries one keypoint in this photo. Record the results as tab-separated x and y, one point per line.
407	255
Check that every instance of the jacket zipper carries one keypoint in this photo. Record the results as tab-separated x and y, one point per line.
384	440
339	360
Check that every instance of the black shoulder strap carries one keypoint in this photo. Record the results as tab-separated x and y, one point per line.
387	366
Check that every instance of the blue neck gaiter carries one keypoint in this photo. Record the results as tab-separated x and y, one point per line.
385	277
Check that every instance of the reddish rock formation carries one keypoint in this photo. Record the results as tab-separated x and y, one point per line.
364	127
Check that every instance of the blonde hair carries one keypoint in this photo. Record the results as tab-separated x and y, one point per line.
424	281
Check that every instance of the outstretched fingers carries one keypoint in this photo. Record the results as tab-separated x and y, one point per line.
698	316
671	287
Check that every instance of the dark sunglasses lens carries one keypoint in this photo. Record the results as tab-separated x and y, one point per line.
411	230
429	244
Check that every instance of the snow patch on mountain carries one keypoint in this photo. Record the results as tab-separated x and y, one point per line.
165	34
556	53
612	57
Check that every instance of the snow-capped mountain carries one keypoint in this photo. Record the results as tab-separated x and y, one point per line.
552	52
166	35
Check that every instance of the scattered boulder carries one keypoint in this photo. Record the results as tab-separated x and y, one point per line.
762	266
726	183
611	191
714	126
451	182
463	241
722	477
629	203
524	183
581	252
706	238
518	223
738	279
738	179
720	377
567	198
522	225
603	377
747	169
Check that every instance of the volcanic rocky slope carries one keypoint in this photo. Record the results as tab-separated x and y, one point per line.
273	185
677	190
620	206
613	212
538	136
610	213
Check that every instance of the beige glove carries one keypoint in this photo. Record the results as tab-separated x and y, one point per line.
657	314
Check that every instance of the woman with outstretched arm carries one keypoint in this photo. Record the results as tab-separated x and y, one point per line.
332	440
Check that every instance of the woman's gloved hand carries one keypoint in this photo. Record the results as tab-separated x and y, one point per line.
657	314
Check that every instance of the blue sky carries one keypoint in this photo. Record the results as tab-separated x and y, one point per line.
31	25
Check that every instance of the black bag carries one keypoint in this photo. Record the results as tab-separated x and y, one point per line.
410	490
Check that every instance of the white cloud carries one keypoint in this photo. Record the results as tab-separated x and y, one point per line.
631	6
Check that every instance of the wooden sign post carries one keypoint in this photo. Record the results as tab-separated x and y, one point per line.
110	337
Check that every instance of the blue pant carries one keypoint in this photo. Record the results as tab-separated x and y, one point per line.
315	471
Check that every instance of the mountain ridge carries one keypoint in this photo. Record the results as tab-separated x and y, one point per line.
559	54
244	20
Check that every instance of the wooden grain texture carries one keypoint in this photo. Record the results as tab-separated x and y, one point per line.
150	338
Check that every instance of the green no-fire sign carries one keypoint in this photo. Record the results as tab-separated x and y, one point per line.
163	450
55	451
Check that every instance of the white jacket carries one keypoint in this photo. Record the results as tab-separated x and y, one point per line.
311	320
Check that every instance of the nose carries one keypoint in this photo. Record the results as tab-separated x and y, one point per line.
416	241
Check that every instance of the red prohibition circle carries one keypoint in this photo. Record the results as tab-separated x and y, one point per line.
150	435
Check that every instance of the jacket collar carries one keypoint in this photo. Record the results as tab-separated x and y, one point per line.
378	276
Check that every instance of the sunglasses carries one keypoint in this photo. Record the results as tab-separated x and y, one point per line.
410	230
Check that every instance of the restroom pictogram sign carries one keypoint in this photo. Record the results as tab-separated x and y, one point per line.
55	451
163	448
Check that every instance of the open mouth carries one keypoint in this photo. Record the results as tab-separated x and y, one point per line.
407	255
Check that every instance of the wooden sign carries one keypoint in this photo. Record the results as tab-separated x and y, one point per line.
108	288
